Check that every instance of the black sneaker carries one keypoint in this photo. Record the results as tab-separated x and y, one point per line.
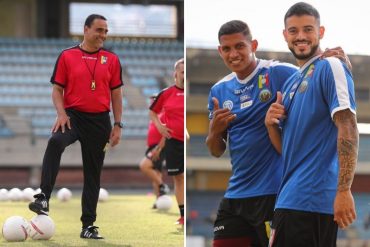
40	205
163	189
90	232
154	206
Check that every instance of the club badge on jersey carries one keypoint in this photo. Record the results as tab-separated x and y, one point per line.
103	60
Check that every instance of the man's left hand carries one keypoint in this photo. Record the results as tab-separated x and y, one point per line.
344	209
338	53
115	136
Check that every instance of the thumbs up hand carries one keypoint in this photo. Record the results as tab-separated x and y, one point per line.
279	98
276	111
221	118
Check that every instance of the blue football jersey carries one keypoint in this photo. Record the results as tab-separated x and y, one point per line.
311	97
256	166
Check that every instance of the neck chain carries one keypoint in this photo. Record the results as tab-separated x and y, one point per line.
92	73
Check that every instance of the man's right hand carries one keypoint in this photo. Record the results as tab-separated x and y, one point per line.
166	132
60	122
276	111
217	136
221	118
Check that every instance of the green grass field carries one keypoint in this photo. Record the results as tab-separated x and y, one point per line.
124	220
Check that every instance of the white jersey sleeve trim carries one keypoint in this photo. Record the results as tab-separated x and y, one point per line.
337	109
341	85
226	78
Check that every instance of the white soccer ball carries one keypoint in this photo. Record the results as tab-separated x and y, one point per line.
64	195
164	203
37	191
103	195
15	194
4	195
15	229
41	227
27	194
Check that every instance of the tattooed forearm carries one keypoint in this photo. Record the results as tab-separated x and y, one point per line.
347	154
347	145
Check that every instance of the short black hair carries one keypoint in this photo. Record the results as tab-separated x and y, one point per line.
235	26
89	20
302	8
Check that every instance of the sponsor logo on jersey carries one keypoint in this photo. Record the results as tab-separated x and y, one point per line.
218	228
91	58
228	104
246	104
244	97
242	90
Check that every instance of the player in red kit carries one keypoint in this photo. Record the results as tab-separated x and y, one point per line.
171	102
151	164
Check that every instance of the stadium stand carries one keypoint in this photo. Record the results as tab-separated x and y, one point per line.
4	130
27	64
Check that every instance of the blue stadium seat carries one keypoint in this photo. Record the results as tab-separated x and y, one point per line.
27	65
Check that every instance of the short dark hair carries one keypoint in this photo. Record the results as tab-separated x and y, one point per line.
302	8
89	20
235	26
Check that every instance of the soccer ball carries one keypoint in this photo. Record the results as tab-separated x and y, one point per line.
15	194
4	195
64	195
27	194
15	229
41	227
164	203
103	195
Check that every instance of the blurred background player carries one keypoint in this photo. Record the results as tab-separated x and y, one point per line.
170	101
151	165
86	80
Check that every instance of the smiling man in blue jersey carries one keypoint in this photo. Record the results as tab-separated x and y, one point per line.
237	105
313	124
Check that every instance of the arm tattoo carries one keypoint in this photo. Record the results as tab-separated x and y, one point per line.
347	145
347	154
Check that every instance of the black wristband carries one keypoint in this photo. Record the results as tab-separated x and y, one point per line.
119	124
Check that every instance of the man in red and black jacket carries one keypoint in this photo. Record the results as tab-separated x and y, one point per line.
87	78
171	102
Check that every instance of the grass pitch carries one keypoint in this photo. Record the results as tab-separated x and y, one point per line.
124	220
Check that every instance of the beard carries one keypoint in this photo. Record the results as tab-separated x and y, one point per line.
305	56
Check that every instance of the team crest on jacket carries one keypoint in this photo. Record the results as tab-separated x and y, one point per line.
228	104
265	95
103	59
303	86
